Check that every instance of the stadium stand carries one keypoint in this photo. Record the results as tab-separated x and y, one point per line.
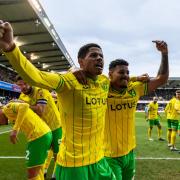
35	35
37	39
7	75
164	94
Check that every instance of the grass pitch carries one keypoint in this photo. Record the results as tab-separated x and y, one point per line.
154	159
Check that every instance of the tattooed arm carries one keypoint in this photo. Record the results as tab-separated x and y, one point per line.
163	72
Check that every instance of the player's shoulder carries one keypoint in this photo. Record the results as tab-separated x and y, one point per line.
69	78
103	78
150	103
135	84
68	75
173	99
13	105
41	90
22	95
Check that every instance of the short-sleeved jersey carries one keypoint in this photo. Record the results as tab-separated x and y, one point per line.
82	109
152	111
171	109
120	119
25	120
42	96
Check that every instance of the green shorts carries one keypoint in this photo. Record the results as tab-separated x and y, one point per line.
172	124
154	122
56	140
123	167
37	150
179	126
97	171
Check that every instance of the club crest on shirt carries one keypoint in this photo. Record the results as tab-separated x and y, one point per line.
132	92
105	86
32	102
85	86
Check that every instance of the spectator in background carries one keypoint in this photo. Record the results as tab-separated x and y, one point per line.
7	75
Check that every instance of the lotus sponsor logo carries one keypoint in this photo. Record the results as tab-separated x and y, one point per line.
96	101
118	107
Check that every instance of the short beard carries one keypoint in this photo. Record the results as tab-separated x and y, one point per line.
123	86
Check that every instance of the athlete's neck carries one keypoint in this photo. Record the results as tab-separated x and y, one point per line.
120	89
93	77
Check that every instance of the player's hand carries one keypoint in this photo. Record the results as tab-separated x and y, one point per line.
6	36
143	78
161	46
13	136
80	76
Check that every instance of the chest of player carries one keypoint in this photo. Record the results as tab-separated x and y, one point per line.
125	101
116	104
154	107
85	96
91	96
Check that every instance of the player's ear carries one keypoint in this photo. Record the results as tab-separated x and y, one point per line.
110	74
80	61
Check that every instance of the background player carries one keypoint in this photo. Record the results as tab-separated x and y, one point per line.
172	111
42	103
38	135
154	119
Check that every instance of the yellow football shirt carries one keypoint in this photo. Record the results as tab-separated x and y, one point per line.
82	109
171	109
168	107
25	120
152	111
42	96
120	119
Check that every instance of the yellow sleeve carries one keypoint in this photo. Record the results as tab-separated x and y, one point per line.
22	109
31	74
133	78
166	108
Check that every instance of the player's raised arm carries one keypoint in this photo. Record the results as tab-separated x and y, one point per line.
163	72
20	63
